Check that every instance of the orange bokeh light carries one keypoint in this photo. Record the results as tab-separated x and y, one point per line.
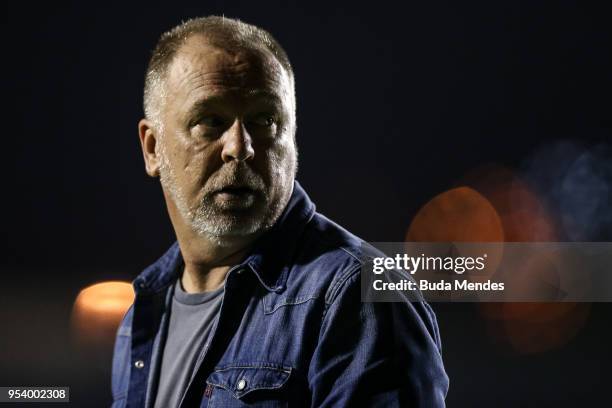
526	327
461	214
458	215
98	310
492	204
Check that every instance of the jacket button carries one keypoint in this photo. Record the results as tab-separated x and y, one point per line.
241	385
139	364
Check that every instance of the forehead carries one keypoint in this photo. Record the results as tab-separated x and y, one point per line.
201	69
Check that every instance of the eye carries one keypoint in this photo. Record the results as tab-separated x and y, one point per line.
211	121
264	119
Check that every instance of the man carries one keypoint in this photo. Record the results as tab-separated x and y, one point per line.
258	302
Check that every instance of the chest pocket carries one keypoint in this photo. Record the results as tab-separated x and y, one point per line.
249	386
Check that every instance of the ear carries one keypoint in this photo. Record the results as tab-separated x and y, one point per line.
148	141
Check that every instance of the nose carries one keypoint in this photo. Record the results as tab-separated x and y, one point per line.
237	143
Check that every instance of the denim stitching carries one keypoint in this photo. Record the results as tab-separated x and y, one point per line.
255	386
332	292
288	302
273	366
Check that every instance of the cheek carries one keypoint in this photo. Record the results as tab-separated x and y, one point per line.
281	162
192	165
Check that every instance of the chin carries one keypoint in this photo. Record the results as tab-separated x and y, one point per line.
229	229
228	226
229	238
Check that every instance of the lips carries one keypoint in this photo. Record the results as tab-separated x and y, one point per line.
239	195
235	198
236	190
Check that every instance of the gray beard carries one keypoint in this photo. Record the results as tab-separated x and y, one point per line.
212	222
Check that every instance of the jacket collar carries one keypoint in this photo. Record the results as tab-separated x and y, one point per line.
269	260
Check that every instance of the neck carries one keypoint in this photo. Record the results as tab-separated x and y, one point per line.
206	268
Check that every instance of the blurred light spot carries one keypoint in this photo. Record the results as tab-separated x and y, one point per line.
458	215
539	327
526	217
575	181
584	198
98	310
523	215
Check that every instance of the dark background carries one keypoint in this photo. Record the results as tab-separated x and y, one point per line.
395	105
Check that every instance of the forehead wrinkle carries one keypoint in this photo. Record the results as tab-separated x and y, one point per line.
200	86
209	91
197	82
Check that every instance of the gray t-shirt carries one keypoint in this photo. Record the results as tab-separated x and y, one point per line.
192	317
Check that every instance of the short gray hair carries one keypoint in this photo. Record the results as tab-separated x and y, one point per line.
220	31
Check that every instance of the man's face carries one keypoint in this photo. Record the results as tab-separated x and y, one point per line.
227	149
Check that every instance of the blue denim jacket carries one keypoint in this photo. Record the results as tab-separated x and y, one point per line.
292	330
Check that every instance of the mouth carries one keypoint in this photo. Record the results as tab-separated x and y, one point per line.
235	190
235	194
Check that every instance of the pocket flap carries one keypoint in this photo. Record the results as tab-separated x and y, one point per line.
243	379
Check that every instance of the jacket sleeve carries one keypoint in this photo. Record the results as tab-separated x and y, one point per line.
377	354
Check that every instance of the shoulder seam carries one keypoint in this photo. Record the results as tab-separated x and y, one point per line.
335	287
351	254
